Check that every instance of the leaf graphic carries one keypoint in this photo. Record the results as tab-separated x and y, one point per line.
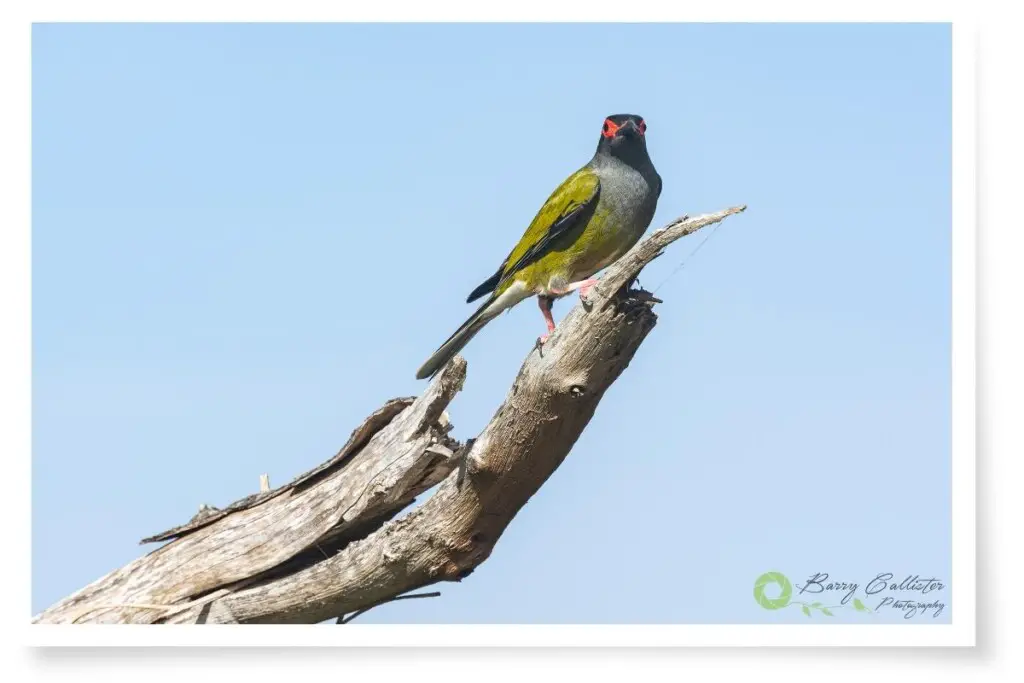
806	611
825	610
859	605
815	604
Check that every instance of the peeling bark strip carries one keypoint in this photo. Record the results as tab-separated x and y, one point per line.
397	453
326	544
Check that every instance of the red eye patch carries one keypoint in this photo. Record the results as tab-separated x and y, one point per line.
610	128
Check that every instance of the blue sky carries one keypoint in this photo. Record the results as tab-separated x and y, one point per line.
246	238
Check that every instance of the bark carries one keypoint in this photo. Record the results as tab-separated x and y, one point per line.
328	544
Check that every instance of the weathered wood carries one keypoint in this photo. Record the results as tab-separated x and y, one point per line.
399	452
256	563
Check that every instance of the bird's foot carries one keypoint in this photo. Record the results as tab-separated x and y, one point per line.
583	286
585	290
541	340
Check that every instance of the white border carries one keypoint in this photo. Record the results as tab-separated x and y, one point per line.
964	333
960	632
514	635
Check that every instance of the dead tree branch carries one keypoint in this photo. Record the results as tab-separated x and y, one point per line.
327	544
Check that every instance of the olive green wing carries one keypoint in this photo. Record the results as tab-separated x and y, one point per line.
569	205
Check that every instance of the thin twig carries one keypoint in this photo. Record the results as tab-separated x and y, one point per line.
687	259
344	620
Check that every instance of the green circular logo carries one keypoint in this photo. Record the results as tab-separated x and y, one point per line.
776	578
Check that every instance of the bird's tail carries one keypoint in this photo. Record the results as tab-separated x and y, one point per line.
487	312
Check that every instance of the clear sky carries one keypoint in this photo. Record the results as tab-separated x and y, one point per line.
247	238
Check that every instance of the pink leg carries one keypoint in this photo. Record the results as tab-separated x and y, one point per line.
583	285
545	307
585	288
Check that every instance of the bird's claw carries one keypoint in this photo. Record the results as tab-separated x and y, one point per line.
585	293
541	340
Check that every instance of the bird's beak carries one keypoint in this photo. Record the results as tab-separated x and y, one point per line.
628	129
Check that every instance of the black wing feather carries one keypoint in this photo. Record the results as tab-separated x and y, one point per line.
487	286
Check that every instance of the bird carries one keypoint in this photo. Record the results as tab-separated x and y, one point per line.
592	219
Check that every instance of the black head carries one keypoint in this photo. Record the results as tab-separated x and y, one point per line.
624	136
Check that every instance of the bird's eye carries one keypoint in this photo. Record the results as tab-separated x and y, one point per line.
642	126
